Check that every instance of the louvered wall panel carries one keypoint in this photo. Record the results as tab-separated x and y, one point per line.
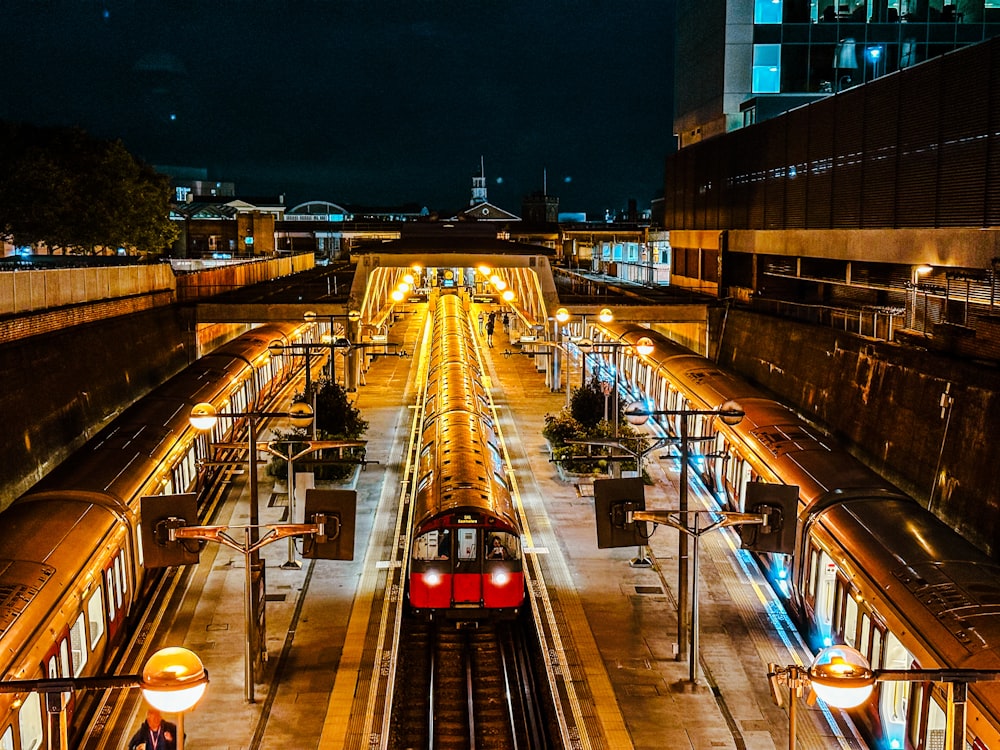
992	192
848	134
719	169
919	128
820	187
878	192
753	157
964	120
797	135
774	152
738	184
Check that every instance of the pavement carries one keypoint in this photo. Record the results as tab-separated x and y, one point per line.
625	685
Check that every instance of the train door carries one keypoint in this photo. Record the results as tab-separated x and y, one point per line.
57	666
30	727
825	580
928	722
467	583
893	702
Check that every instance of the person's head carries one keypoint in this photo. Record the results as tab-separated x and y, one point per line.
496	541
154	719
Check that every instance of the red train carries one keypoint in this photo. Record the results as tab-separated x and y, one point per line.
70	552
465	547
872	568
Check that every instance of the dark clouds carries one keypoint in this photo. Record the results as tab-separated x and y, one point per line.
362	102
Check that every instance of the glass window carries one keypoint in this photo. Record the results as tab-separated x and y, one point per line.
29	721
7	740
503	546
434	545
95	618
936	725
766	68
78	643
119	582
895	695
467	547
64	658
109	581
851	622
767	11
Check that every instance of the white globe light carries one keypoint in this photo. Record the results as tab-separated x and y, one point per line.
840	676
174	679
203	416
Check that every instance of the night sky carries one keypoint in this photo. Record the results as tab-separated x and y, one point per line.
373	103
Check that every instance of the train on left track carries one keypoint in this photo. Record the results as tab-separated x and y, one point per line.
71	568
465	555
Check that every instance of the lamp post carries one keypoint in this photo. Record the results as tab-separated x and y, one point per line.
204	417
635	413
842	677
173	681
562	317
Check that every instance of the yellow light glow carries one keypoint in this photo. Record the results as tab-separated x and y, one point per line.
605	315
203	416
484	270
174	679
397	296
562	315
644	346
508	295
408	278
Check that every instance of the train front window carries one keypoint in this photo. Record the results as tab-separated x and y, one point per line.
433	545
501	545
468	548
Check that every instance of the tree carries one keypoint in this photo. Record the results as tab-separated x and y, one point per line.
67	190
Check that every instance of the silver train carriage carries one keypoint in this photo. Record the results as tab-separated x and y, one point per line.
872	568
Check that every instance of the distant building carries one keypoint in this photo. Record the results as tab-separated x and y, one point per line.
744	61
480	209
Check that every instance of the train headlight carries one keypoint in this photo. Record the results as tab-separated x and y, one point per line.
432	578
501	577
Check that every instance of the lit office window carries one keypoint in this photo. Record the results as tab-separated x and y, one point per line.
766	68
767	11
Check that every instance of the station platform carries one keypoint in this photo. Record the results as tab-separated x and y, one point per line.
624	687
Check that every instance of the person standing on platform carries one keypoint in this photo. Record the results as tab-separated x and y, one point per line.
482	318
490	322
154	734
506	323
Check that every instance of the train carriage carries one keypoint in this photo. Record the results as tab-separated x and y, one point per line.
70	557
872	568
465	556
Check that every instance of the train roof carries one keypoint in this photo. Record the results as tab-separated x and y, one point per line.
63	532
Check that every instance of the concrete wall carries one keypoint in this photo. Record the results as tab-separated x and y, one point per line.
27	291
61	387
884	400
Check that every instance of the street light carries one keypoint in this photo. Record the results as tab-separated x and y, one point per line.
636	413
173	681
842	677
203	418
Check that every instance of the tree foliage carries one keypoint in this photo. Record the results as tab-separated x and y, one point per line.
64	189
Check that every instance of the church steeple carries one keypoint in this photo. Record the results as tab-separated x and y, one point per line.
479	185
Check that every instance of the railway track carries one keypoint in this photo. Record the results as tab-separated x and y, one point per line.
467	688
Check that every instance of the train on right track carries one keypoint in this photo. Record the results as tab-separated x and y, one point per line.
872	568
